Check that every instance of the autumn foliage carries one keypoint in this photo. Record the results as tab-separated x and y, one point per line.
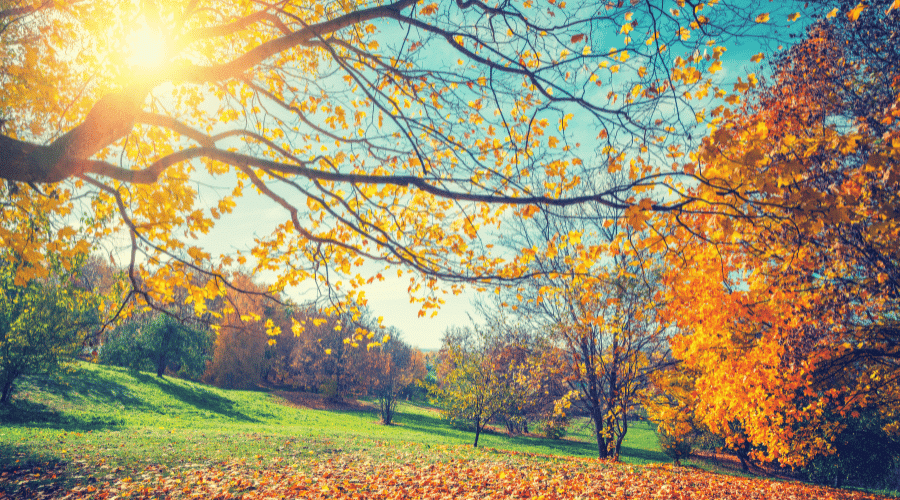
749	222
784	279
515	476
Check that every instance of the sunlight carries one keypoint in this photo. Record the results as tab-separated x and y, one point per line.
145	48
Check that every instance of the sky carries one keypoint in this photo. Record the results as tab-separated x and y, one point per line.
256	216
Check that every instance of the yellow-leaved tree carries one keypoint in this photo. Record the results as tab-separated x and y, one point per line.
391	132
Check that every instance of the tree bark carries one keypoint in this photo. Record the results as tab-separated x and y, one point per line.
597	415
477	431
7	391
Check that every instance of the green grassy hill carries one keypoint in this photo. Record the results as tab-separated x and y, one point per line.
112	422
103	432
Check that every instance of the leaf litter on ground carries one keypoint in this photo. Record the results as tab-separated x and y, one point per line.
496	474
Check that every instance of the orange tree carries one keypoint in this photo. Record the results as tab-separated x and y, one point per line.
790	304
385	131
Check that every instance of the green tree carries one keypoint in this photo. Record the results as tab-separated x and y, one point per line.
42	324
470	390
157	344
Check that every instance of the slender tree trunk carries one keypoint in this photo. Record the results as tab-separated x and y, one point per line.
477	430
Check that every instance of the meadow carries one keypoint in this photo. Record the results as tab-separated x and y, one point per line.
105	432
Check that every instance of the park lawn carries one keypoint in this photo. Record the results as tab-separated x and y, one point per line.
102	422
102	432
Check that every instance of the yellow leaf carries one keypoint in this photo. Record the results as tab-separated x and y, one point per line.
895	5
796	15
831	14
762	18
757	58
328	352
853	15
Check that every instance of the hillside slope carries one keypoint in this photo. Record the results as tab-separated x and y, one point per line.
103	432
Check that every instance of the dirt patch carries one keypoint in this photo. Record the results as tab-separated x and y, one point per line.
318	402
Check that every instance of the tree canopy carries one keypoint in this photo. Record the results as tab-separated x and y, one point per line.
409	134
393	132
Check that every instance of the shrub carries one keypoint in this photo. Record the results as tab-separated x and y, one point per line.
42	324
676	447
706	440
555	427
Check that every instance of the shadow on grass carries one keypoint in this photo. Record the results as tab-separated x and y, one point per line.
433	425
28	474
562	447
81	384
77	389
33	414
647	455
196	396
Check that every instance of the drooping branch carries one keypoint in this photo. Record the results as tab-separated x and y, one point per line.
152	173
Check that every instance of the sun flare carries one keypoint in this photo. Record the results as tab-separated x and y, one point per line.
146	48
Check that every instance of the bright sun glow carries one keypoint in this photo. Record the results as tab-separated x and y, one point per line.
146	48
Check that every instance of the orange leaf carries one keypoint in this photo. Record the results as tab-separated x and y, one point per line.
853	15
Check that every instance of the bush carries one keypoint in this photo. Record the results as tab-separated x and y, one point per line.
42	324
555	427
706	440
676	448
329	389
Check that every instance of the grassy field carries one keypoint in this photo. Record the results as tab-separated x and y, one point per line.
101	431
104	422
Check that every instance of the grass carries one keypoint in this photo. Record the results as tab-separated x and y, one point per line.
100	423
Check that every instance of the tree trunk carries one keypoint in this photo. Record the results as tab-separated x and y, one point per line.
161	365
7	391
477	430
602	451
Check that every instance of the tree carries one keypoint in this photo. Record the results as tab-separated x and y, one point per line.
385	131
159	343
527	363
469	390
396	367
244	332
788	299
42	324
596	295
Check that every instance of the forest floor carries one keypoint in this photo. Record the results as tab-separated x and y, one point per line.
110	433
